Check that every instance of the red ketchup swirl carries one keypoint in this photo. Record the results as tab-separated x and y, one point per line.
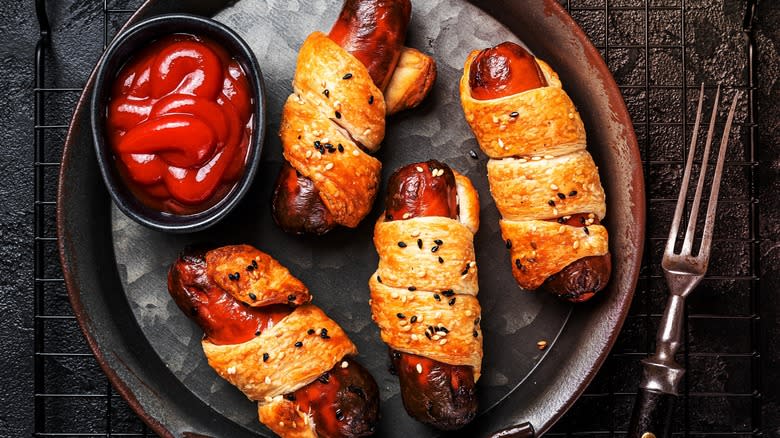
179	123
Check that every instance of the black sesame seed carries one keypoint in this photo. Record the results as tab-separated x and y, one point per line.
252	296
317	144
441	260
582	220
561	220
389	217
412	288
436	297
291	297
477	320
370	100
324	334
448	292
310	331
254	263
514	114
475	334
378	278
427	335
324	378
452	301
341	148
508	244
473	154
551	202
442	329
250	268
533	245
326	92
257	333
402	244
419	243
561	196
573	193
232	277
413	319
586	230
518	264
290	396
400	315
265	357
465	271
298	344
338	115
347	76
299	137
339	415
435	248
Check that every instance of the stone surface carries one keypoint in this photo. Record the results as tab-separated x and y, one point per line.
714	51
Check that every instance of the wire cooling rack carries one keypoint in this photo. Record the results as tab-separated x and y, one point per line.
658	50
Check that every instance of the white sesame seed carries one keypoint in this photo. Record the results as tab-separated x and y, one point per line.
553	187
442	342
419	169
435	337
555	211
329	166
495	119
502	127
406	215
317	155
367	131
402	322
562	229
308	154
576	244
231	370
500	143
420	318
406	328
414	337
269	399
281	424
468	313
571	115
325	140
394	294
522	160
421	274
344	364
267	380
403	298
337	105
548	157
419	368
536	158
355	152
280	355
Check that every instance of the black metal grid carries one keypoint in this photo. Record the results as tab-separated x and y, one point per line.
659	51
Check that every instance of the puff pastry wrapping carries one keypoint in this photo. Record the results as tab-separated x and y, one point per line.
539	170
411	281
342	117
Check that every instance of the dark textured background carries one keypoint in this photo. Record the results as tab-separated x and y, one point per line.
732	336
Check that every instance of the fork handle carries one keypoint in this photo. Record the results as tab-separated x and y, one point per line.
652	414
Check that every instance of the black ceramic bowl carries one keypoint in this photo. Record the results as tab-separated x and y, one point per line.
122	48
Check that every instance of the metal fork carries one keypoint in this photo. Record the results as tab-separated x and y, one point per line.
683	271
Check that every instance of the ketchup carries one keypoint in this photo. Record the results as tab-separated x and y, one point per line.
179	123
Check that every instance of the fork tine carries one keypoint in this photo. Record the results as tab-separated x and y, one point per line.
691	230
709	225
678	211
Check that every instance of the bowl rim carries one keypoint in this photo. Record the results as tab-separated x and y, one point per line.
122	198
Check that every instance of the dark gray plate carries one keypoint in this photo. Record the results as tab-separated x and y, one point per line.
115	269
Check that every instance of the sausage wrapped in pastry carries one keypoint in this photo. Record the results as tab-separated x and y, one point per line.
262	335
545	184
345	84
423	294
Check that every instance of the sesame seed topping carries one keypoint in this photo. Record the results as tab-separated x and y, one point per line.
436	297
400	315
441	260
267	380
394	294
338	115
413	337
561	196
443	341
341	148
310	331
536	158
347	76
435	248
514	114
329	166
370	100
576	244
326	92
231	370
324	334
419	243
355	152
402	244
553	187
518	264
573	193
378	278
252	296
265	357
298	344
452	302
586	230
475	334
234	276
324	378
412	288
419	368
344	364
413	319
419	169
551	202
473	154
257	333
308	154
469	313
508	244
435	337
